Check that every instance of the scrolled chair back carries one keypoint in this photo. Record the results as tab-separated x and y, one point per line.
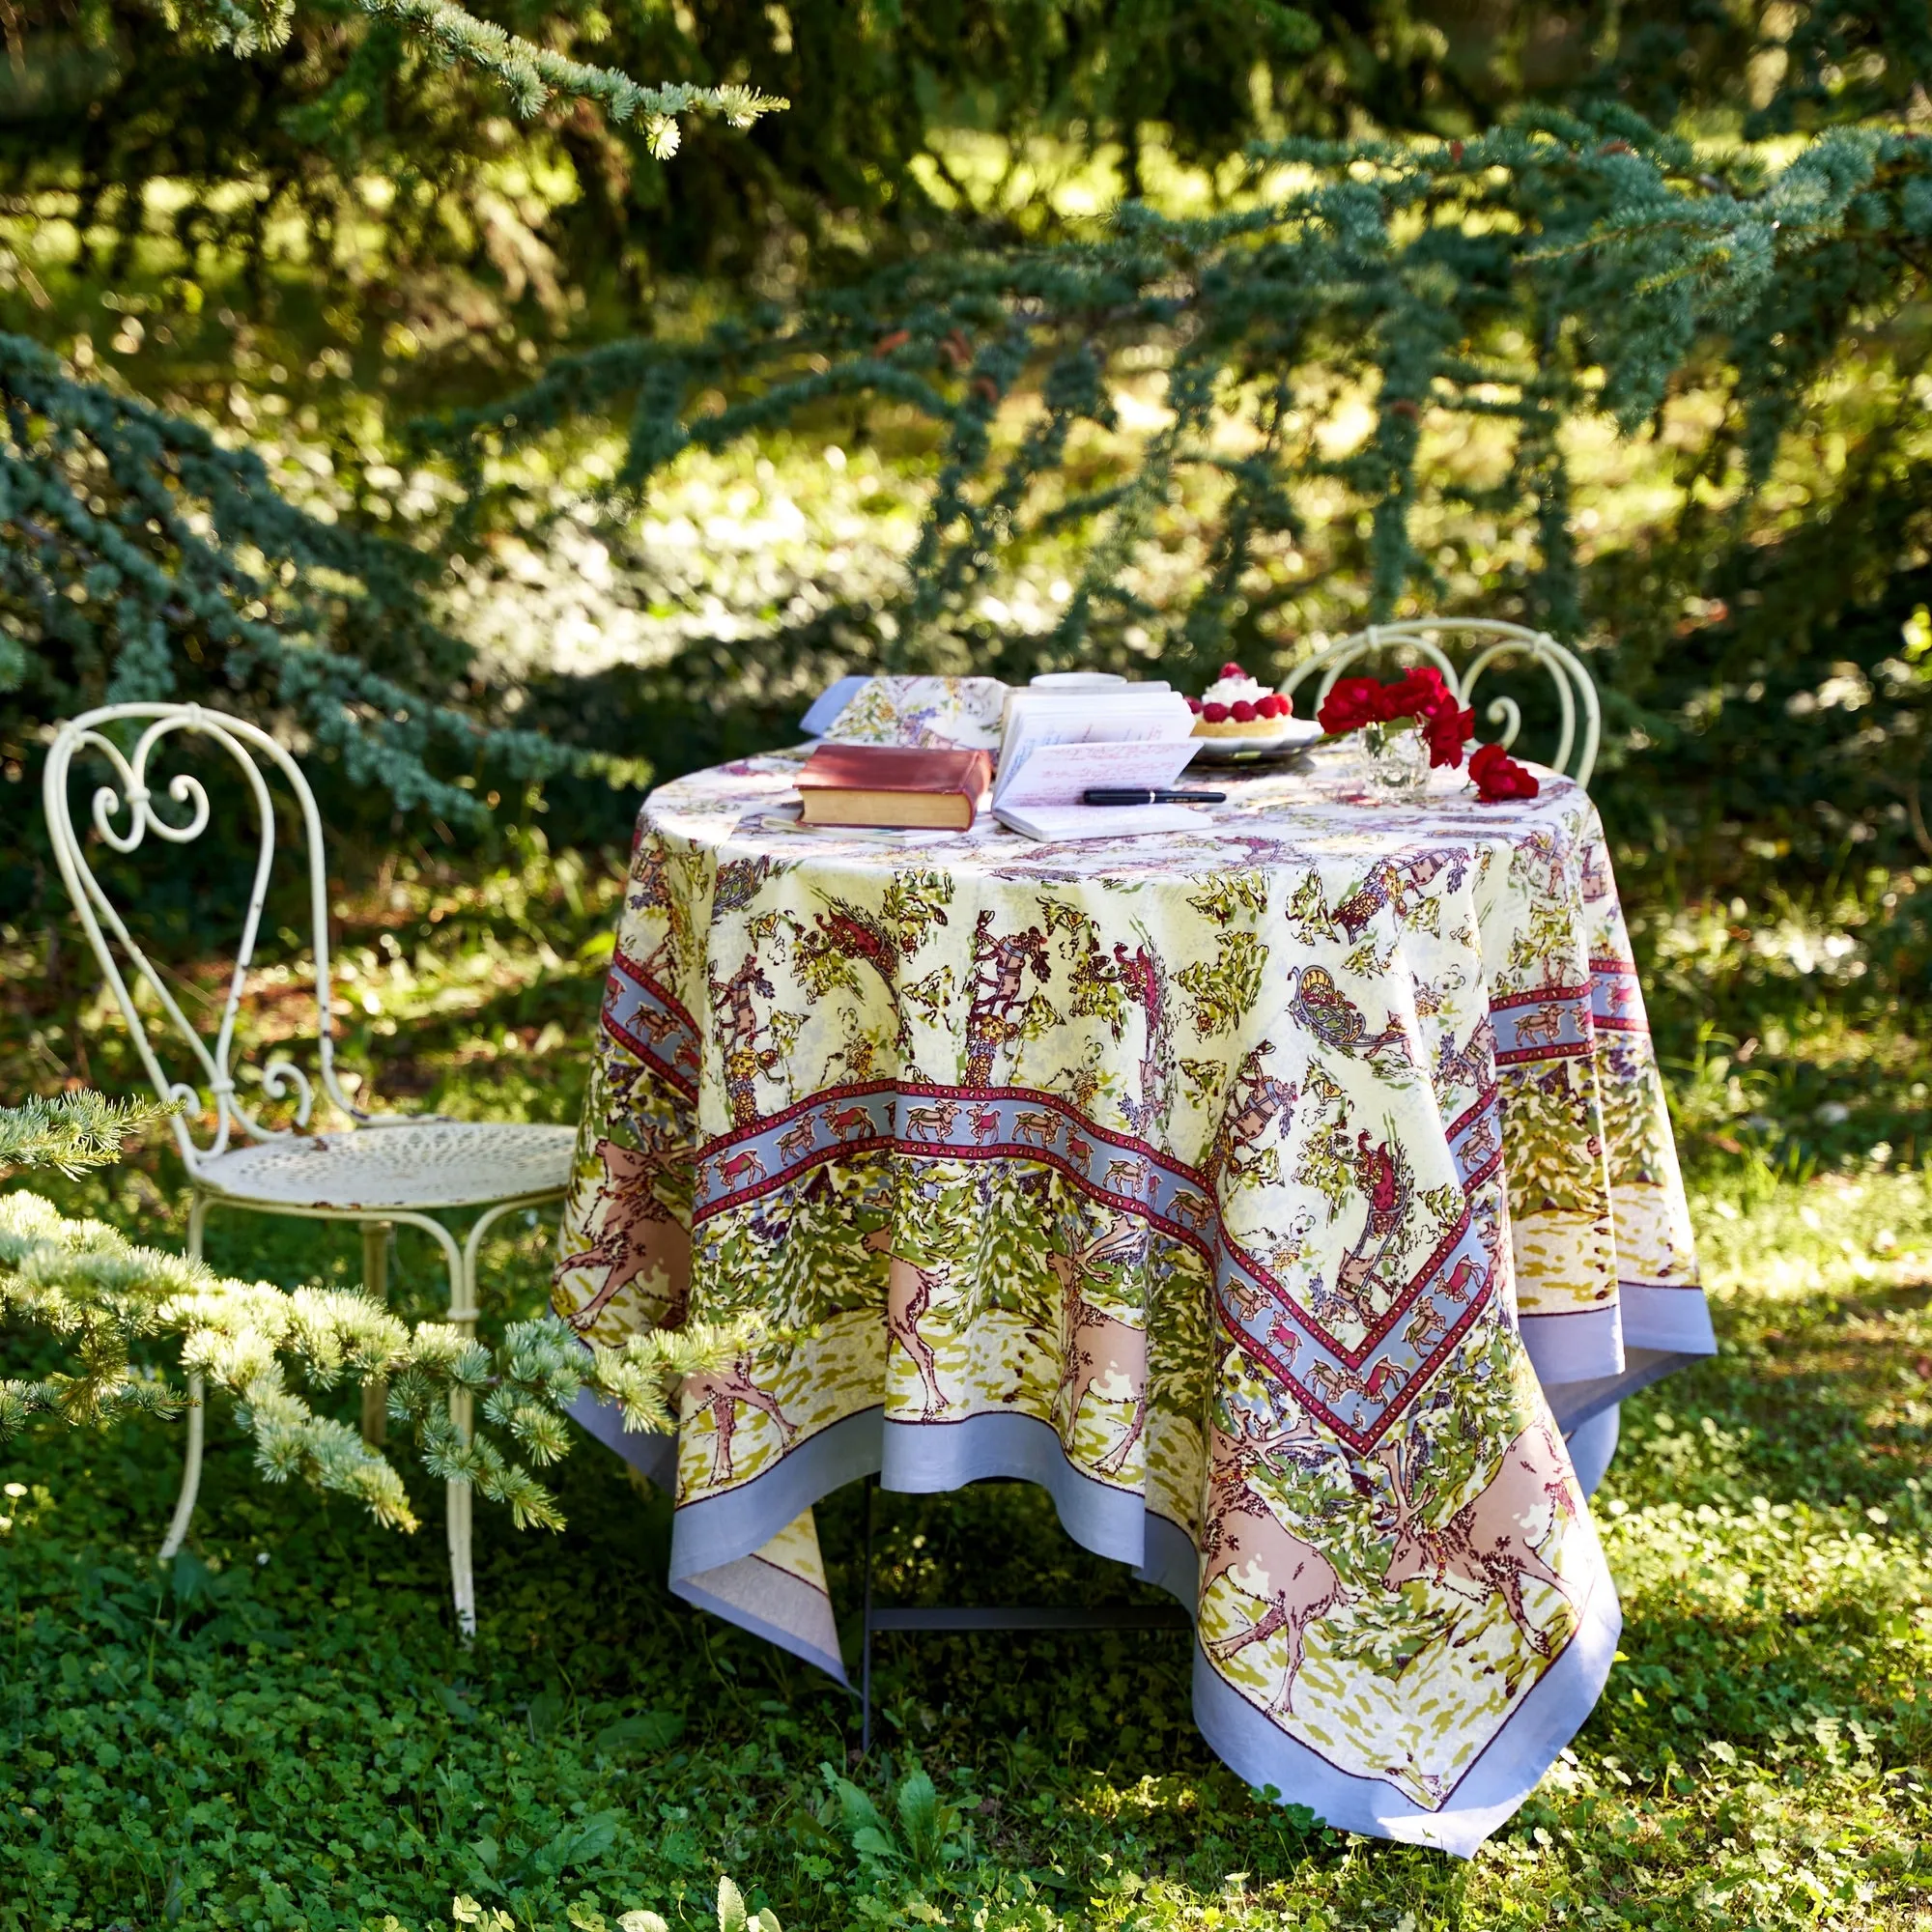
1490	641
123	811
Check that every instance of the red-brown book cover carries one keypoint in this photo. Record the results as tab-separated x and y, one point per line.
893	786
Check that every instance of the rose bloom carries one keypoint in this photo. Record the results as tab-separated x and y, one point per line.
1448	730
1416	694
1354	702
1498	775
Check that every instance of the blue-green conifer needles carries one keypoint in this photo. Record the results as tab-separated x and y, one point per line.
1558	266
533	75
140	559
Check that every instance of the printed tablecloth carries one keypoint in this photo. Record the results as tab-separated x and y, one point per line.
1277	1195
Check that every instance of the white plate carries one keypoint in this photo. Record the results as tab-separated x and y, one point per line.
1078	680
1301	732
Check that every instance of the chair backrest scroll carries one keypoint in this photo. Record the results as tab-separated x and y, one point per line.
123	814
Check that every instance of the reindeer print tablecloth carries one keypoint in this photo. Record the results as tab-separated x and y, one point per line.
1279	1196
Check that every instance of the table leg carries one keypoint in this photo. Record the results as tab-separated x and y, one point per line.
866	1639
959	1618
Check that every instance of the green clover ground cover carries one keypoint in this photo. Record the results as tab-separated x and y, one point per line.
282	1731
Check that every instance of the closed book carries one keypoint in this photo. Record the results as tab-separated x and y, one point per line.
893	786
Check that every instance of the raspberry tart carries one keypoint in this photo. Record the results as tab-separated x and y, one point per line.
1236	705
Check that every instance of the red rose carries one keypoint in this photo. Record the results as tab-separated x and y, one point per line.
1498	776
1352	703
1215	713
1242	712
1448	730
1417	693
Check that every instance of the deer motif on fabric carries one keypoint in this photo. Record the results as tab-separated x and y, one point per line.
634	1234
724	1393
908	1298
1245	1542
1099	1351
1492	1543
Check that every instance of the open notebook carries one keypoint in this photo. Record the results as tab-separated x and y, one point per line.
1056	744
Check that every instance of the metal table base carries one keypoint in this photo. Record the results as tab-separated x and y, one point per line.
995	1617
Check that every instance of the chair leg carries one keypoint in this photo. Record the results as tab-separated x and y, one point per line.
463	1416
865	1634
376	1284
197	1414
461	1504
462	1314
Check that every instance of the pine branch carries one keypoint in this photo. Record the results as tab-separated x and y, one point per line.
75	1132
100	1293
531	74
130	538
126	532
1398	269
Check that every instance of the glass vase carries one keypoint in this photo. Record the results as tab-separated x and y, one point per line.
1398	757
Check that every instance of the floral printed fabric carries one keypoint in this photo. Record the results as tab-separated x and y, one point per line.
957	711
1276	1195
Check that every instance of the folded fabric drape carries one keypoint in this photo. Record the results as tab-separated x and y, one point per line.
1275	1195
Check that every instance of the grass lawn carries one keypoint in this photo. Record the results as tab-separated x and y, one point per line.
283	1732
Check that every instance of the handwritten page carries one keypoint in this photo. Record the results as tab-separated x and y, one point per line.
1130	715
1056	774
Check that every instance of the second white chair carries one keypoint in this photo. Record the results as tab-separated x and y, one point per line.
382	1170
1495	642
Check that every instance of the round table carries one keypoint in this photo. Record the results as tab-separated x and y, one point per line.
1279	1195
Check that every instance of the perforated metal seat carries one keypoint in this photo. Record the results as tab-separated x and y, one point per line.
433	1164
385	1169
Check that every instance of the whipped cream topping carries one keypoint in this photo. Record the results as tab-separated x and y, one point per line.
1227	690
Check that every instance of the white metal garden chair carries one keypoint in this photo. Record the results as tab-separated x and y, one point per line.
1492	642
386	1168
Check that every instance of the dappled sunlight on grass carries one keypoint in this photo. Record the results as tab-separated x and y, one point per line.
1784	1048
449	989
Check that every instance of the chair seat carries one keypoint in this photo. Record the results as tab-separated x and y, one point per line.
437	1164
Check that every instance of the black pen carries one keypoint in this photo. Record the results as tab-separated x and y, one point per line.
1108	795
